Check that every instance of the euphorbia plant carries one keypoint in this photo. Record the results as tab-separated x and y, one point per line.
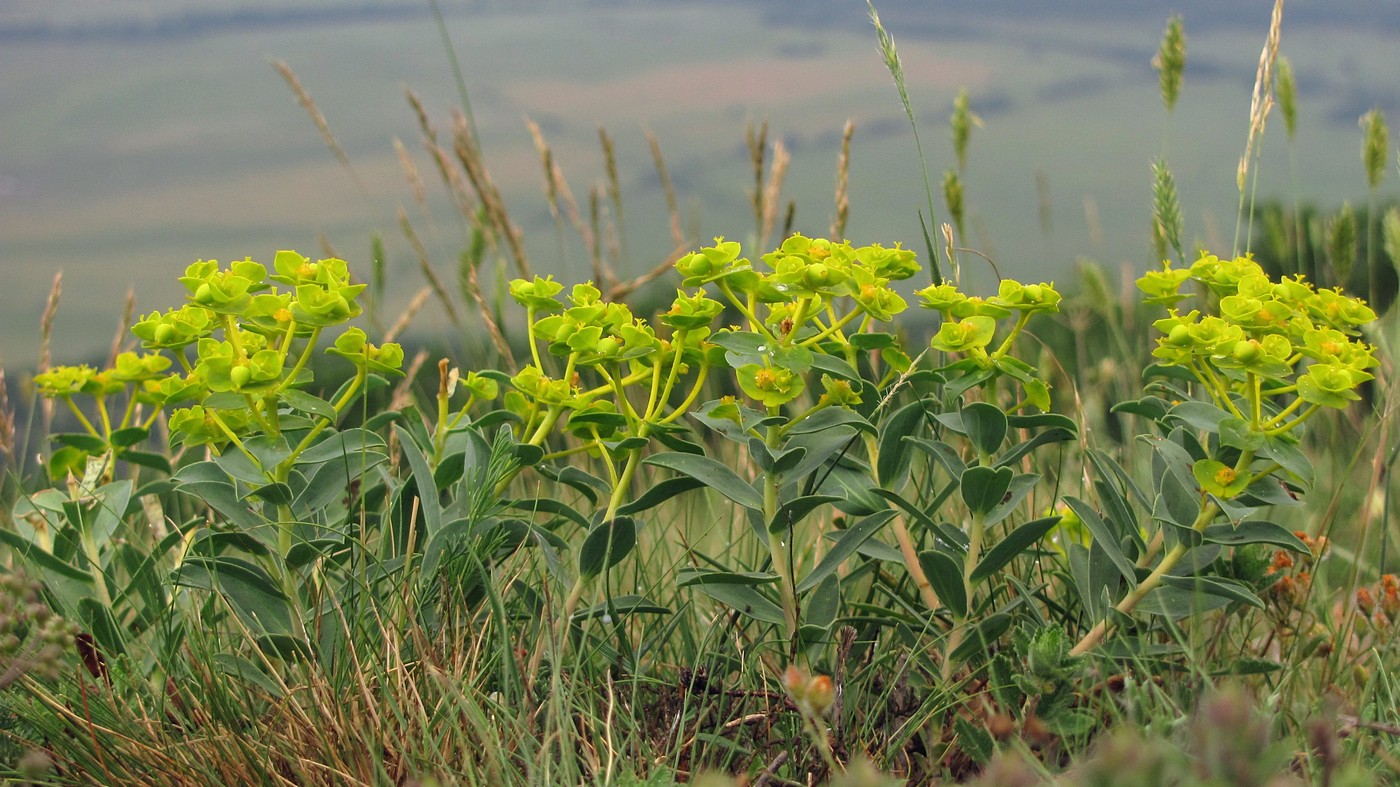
236	356
1263	357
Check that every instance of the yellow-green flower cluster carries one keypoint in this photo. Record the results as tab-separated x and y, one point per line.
1302	341
238	333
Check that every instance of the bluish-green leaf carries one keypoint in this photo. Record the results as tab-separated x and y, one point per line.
945	575
660	493
892	467
712	474
744	600
429	504
983	488
828	418
622	605
1015	542
793	511
848	542
250	591
306	403
1104	537
347	444
1254	531
606	545
711	576
985	425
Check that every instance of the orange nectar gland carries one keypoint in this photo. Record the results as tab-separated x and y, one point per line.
282	315
765	379
1225	476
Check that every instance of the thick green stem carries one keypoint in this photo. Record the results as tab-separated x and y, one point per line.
1208	512
777	546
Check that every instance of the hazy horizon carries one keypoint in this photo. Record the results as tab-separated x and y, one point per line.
140	136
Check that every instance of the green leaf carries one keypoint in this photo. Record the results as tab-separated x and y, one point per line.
306	403
847	543
1012	545
834	366
606	545
129	436
1104	538
553	507
821	609
251	592
1199	415
828	418
89	444
429	504
873	341
710	576
244	669
945	575
942	453
745	600
849	479
1285	451
278	494
974	741
587	484
43	559
342	445
1022	484
622	605
1152	407
207	482
892	466
148	459
1254	531
980	637
712	474
984	487
660	493
1236	433
1039	420
1052	435
1223	588
792	512
985	425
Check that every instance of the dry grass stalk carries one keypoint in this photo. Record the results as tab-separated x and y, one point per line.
1260	104
309	104
595	223
557	192
551	185
611	237
464	145
327	250
123	328
493	329
667	188
623	289
843	182
46	342
406	316
410	172
757	140
7	418
451	178
427	268
614	192
772	194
